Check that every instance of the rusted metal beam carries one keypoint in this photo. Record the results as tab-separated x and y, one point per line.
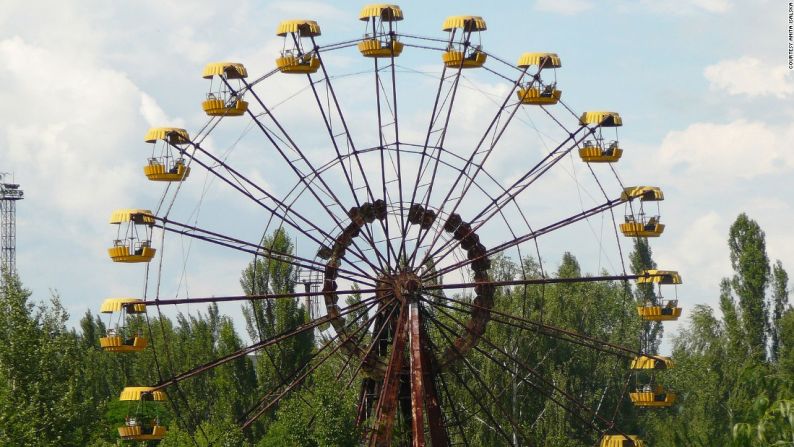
417	377
381	435
435	419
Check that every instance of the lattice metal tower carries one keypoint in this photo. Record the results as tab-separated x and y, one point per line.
9	194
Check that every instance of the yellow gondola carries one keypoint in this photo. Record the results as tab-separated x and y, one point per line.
621	441
133	237
223	100
650	397
667	311
294	58
599	151
651	362
380	34
640	224
118	337
538	91
165	165
461	53
139	426
660	309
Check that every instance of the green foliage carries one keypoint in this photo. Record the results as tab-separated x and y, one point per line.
773	425
747	244
45	397
508	405
317	416
779	305
58	388
266	318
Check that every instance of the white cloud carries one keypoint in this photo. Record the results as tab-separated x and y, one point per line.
564	6
750	76
154	115
706	264
713	5
719	154
682	7
74	139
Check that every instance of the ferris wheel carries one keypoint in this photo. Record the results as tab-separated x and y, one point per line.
406	214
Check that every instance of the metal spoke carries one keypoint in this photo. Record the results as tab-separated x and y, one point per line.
514	190
550	330
269	208
257	250
545	382
261	406
300	175
351	148
261	344
498	134
442	327
526	237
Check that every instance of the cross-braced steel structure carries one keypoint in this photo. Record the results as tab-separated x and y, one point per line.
10	194
413	221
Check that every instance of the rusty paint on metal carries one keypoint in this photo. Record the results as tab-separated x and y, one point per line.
387	402
417	378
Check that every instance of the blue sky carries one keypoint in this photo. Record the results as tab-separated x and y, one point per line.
703	87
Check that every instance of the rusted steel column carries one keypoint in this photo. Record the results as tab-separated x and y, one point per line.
435	419
381	434
417	377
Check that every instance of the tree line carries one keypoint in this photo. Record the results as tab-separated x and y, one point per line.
733	373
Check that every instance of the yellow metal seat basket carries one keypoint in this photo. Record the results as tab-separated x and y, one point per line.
621	441
460	54
599	152
534	96
659	313
131	250
164	168
117	343
546	94
454	59
140	433
308	63
657	398
386	45
114	341
295	59
642	229
157	172
219	103
377	48
217	107
122	253
594	154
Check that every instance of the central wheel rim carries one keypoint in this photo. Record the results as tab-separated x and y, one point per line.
403	285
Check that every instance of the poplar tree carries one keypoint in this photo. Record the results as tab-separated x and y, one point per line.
641	259
779	305
747	245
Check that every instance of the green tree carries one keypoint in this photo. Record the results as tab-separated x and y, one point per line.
641	259
44	395
779	305
734	334
772	425
266	318
785	358
747	245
